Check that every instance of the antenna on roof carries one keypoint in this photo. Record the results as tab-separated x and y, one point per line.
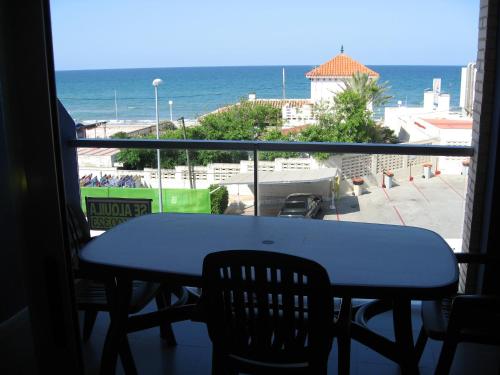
342	48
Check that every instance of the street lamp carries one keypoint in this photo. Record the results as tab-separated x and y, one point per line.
170	102
157	83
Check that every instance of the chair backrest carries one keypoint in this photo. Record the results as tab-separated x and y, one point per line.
79	231
267	307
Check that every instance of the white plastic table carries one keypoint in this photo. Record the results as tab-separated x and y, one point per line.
362	260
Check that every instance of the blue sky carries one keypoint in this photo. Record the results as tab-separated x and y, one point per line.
94	34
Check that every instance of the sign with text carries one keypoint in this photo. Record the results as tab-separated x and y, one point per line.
105	213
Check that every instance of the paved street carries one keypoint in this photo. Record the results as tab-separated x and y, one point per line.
436	204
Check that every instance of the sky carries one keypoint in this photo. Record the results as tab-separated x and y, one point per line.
96	34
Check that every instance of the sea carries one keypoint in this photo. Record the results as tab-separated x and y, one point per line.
89	95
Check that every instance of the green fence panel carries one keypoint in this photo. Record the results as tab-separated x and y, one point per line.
186	200
96	192
144	193
174	200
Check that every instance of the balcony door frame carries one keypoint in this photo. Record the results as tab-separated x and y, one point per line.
30	126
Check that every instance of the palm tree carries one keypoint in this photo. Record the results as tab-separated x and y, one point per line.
369	89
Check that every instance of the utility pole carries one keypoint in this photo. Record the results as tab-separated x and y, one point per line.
157	82
191	179
116	108
284	90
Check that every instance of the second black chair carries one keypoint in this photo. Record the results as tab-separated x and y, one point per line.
271	313
91	294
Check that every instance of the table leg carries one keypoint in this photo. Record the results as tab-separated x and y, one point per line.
118	293
404	336
164	300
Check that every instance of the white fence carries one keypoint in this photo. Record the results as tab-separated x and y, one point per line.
350	165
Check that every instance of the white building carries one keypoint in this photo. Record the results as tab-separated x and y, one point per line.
294	112
434	123
450	132
97	157
414	125
328	79
467	88
106	129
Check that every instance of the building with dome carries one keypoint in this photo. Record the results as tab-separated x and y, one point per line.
328	79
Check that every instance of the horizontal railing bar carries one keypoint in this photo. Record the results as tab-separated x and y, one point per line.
340	148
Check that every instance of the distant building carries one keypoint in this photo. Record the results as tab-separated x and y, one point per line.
105	129
294	112
402	120
327	80
467	88
434	123
97	157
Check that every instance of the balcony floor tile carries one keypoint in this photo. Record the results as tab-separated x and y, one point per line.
192	355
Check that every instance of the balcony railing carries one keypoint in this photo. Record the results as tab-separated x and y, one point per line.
256	146
345	148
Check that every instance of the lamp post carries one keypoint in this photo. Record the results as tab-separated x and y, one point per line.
157	83
170	102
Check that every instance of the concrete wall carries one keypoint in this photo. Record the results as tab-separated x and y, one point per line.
106	131
454	137
99	161
349	165
401	119
325	88
293	116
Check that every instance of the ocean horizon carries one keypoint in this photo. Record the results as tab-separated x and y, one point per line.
242	66
90	94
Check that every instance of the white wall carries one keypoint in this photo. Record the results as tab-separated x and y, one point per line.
402	121
429	101
443	103
463	82
293	116
106	131
453	137
325	88
99	161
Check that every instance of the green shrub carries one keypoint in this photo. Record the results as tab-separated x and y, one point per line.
218	199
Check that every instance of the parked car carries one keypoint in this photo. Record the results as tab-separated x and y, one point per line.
301	205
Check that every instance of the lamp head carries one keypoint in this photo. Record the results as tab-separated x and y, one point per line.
157	82
170	102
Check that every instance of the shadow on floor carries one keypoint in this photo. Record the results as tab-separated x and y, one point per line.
193	353
347	205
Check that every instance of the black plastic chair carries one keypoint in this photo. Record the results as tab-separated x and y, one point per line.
460	318
271	313
91	293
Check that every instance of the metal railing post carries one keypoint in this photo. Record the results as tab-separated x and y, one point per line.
158	160
255	182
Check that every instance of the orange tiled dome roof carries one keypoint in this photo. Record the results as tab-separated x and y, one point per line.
340	66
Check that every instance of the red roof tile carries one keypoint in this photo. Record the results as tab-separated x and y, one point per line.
449	123
340	66
294	130
276	103
97	151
